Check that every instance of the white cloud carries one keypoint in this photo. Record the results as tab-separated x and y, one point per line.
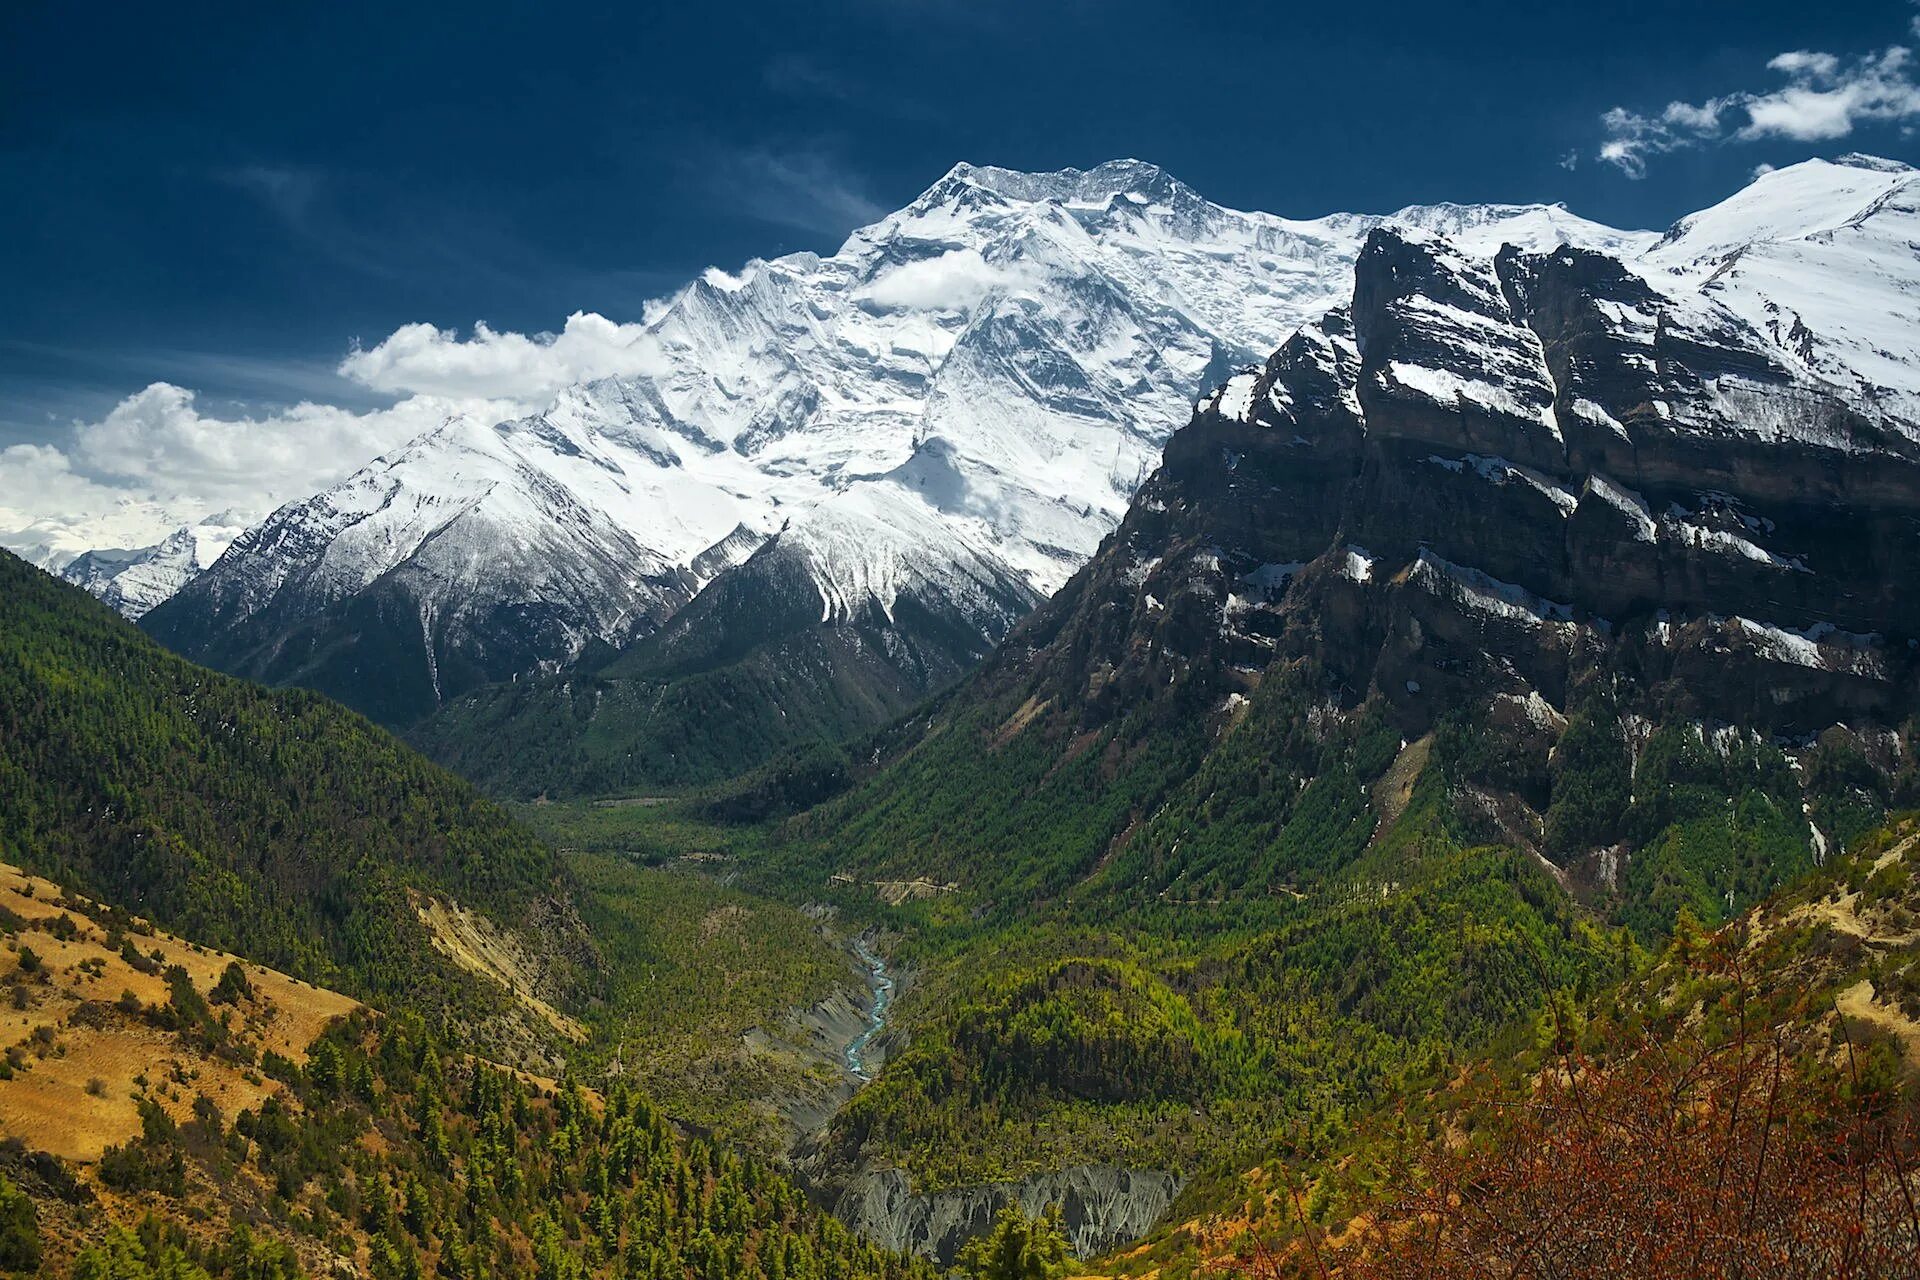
1806	62
954	281
156	462
159	438
46	506
421	358
1704	118
1825	97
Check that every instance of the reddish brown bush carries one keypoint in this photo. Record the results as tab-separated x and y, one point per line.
1755	1155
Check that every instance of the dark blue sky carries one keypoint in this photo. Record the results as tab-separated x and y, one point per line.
223	196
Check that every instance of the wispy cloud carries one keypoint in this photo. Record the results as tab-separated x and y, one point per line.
286	190
804	78
799	76
1823	97
238	376
804	188
305	204
376	228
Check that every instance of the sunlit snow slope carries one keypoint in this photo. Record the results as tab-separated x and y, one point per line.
1010	349
1825	258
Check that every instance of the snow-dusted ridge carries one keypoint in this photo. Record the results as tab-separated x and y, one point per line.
1821	257
134	581
968	390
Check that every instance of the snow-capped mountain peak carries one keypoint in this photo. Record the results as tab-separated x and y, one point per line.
135	580
1135	182
979	381
1820	256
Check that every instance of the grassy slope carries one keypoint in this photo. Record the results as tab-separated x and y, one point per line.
83	1022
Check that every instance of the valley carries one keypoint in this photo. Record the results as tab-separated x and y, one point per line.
1396	756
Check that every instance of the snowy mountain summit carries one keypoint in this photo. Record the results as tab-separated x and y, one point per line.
903	445
134	581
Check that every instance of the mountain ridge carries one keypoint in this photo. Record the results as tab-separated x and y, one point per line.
1054	326
1547	491
1011	347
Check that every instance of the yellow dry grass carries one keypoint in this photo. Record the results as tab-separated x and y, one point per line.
81	1057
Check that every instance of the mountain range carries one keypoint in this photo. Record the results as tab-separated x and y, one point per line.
914	440
839	481
1536	605
1519	611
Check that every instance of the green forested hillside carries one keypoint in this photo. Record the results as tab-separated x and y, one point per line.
1206	940
1278	792
1195	935
272	823
395	1156
606	733
1211	1035
657	717
1743	1105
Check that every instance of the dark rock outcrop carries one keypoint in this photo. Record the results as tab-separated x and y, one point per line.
1499	480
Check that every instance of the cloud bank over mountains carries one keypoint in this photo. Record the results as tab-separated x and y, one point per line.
420	359
158	460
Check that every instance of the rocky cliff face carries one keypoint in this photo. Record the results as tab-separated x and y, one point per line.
1509	489
1103	1206
1508	479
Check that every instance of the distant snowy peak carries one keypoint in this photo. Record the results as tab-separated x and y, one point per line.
1091	187
1801	200
1485	229
134	581
1824	257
